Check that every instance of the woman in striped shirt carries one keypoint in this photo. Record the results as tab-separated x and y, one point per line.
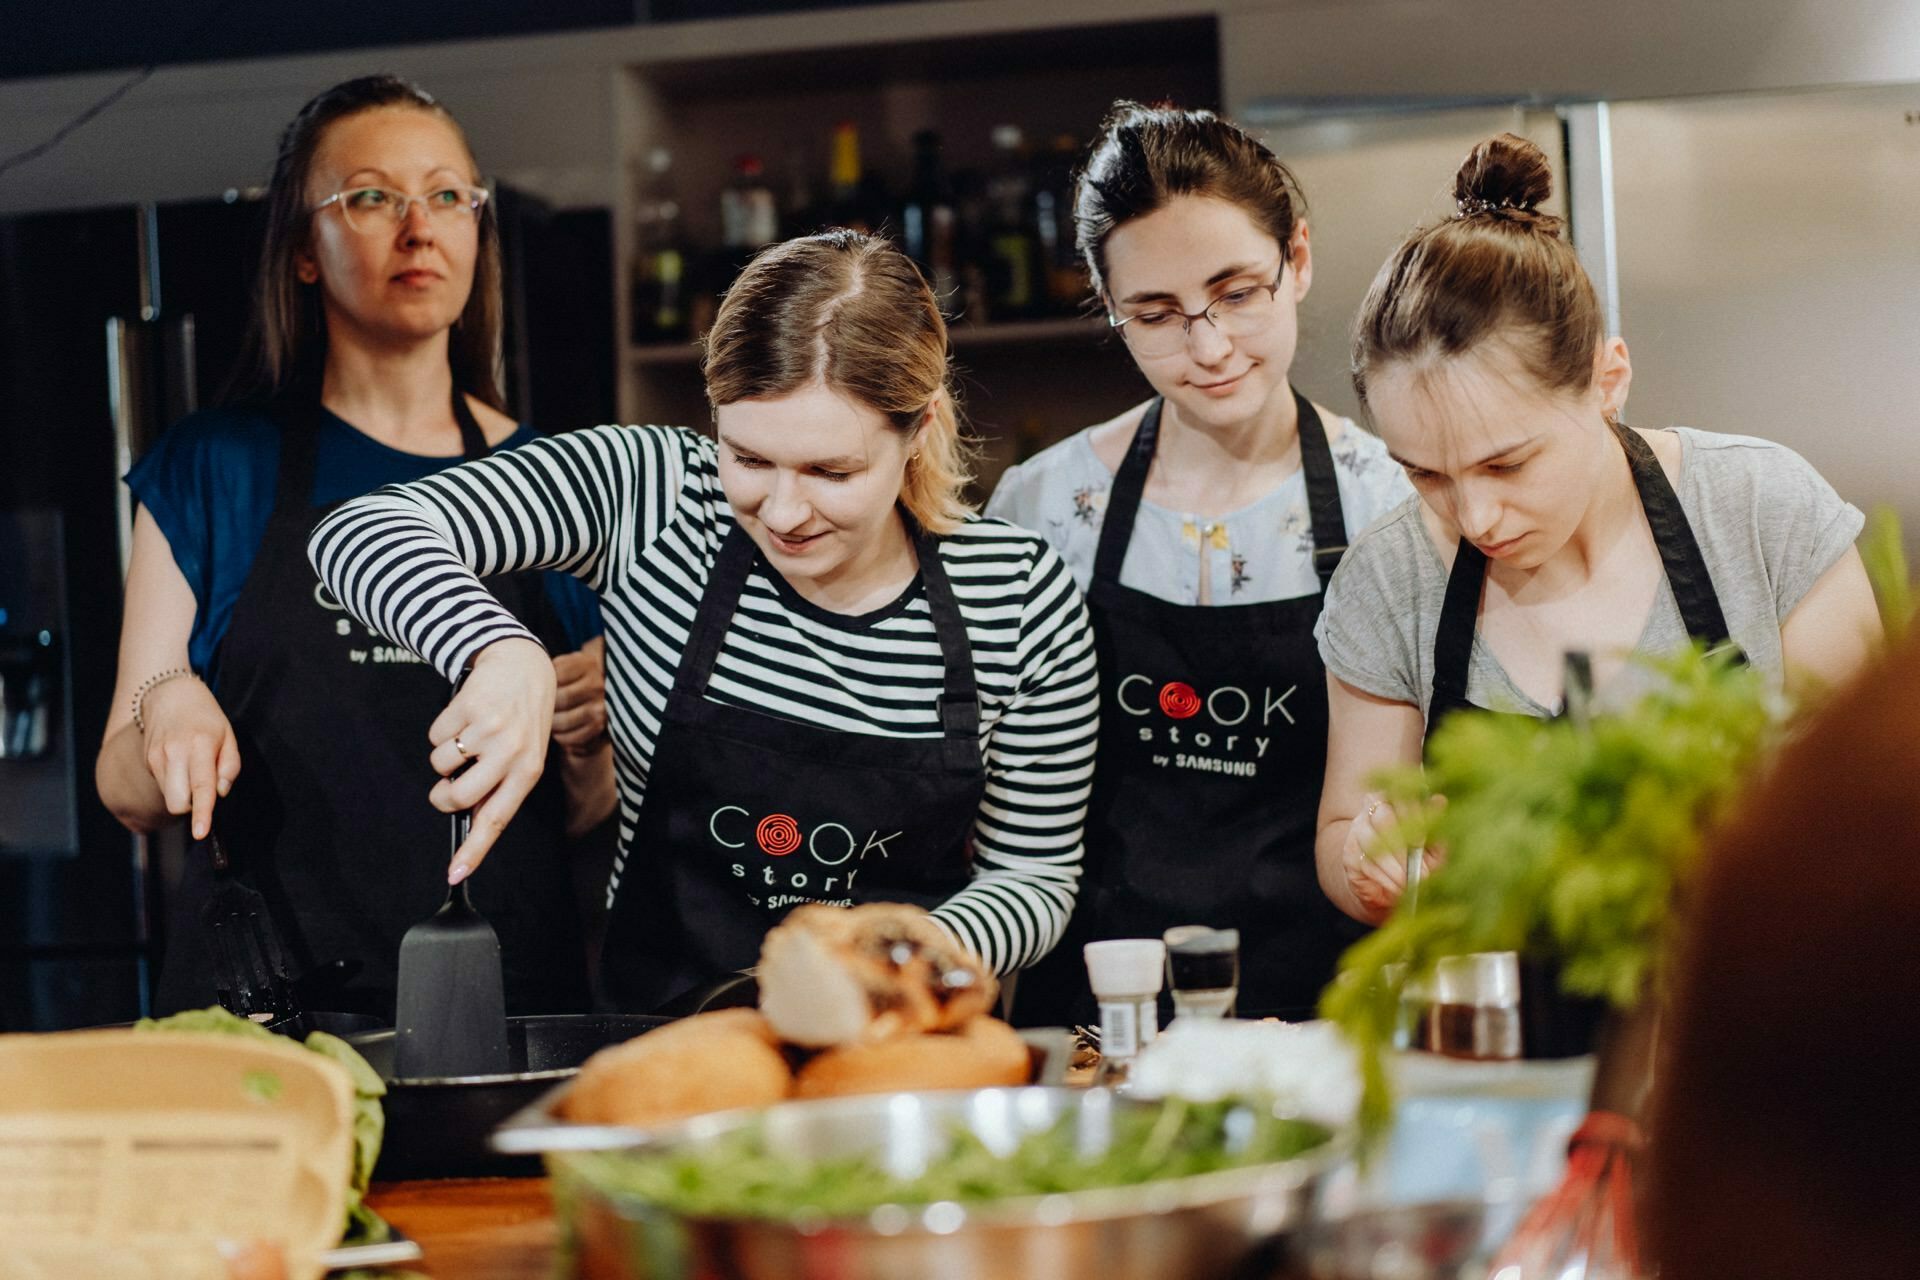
827	679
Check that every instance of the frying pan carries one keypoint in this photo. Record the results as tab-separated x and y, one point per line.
438	1127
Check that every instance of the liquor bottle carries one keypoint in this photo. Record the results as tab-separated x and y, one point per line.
749	216
927	216
846	185
1013	248
659	298
1065	276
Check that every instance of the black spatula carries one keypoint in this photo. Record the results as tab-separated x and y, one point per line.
451	1012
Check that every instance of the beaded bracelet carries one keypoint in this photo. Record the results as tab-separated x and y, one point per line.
152	683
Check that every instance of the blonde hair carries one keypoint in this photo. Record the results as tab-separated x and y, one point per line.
852	312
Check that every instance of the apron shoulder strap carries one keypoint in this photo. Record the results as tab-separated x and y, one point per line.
1123	500
1679	550
473	441
959	695
1453	638
298	421
1323	492
722	595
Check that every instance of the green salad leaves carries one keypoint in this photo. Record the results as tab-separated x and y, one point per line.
737	1176
369	1121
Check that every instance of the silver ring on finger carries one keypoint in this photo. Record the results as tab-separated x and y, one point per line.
1371	807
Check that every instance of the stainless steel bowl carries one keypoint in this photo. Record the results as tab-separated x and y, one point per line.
1215	1226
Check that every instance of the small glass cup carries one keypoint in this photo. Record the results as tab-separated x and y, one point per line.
1203	970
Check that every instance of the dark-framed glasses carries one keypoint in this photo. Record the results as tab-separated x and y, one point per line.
1162	331
378	209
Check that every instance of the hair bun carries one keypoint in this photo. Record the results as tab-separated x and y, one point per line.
1502	173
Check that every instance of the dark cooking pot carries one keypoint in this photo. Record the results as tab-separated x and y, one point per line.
438	1128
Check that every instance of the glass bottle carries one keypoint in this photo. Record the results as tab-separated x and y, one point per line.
658	290
1013	247
1125	976
749	215
927	216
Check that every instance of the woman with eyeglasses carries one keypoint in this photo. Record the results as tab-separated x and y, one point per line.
1204	525
247	699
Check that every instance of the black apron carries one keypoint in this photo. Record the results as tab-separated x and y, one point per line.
1552	1023
1213	743
748	815
1679	552
329	818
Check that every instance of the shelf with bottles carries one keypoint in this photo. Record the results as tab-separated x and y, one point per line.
963	152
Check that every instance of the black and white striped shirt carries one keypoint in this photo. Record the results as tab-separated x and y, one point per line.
638	514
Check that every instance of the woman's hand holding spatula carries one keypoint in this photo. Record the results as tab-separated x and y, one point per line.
497	724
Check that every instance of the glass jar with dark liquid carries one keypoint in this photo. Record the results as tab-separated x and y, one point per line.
1203	969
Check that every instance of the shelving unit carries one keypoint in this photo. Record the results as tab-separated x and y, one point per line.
1023	383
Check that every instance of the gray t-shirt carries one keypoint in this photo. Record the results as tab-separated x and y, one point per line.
1261	552
1767	523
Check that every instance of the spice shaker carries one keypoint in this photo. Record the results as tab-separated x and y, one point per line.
1125	975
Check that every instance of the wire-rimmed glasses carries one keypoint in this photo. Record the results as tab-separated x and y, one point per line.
1162	331
371	210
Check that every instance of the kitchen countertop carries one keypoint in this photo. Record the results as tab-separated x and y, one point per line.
473	1228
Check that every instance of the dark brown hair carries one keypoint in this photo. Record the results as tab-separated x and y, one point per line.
1146	156
286	344
852	312
1498	269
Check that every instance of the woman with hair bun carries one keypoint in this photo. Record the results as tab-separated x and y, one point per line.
1543	524
1204	525
828	680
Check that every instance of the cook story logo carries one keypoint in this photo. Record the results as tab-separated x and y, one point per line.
826	857
1233	737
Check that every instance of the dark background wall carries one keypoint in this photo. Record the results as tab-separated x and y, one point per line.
46	38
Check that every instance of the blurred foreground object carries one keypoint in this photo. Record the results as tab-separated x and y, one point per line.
137	1153
1786	1110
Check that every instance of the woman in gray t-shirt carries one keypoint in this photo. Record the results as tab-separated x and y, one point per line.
1541	523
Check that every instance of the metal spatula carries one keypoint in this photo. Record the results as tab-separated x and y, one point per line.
250	972
451	1011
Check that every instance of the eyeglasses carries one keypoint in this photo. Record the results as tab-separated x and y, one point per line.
1164	331
375	209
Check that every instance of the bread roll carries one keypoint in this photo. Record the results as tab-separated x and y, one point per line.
836	976
984	1053
709	1062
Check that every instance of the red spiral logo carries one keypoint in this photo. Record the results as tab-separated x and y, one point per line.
778	834
1179	700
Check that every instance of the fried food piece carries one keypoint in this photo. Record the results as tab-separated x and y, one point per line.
844	975
983	1054
708	1062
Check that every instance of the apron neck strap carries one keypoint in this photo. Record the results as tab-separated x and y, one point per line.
1686	567
959	695
1323	493
1316	466
1453	639
473	441
1123	500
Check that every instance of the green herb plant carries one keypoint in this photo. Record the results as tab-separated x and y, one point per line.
1561	841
